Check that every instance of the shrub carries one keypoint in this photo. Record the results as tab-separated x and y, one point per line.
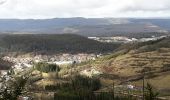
86	82
45	67
151	93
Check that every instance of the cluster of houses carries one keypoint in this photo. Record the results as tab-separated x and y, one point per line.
91	72
23	62
123	39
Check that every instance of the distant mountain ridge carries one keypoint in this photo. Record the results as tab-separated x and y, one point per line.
84	26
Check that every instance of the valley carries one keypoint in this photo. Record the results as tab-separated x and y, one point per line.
85	50
125	66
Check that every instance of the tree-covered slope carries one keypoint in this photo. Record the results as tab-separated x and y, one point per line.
53	43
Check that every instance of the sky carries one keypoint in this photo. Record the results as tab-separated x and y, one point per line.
43	9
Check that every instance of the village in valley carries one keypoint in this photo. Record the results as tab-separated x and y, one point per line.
24	64
24	61
84	50
124	39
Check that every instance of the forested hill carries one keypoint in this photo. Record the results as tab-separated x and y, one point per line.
65	43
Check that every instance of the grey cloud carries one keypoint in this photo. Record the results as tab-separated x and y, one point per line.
130	8
84	8
2	2
148	5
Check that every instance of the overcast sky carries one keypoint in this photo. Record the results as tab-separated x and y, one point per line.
40	9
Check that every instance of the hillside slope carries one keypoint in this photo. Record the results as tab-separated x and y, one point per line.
132	61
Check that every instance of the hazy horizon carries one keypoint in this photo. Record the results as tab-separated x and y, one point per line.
85	18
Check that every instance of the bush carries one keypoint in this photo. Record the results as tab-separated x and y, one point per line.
151	93
45	67
86	82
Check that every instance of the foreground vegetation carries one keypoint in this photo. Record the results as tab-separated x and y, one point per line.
79	88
